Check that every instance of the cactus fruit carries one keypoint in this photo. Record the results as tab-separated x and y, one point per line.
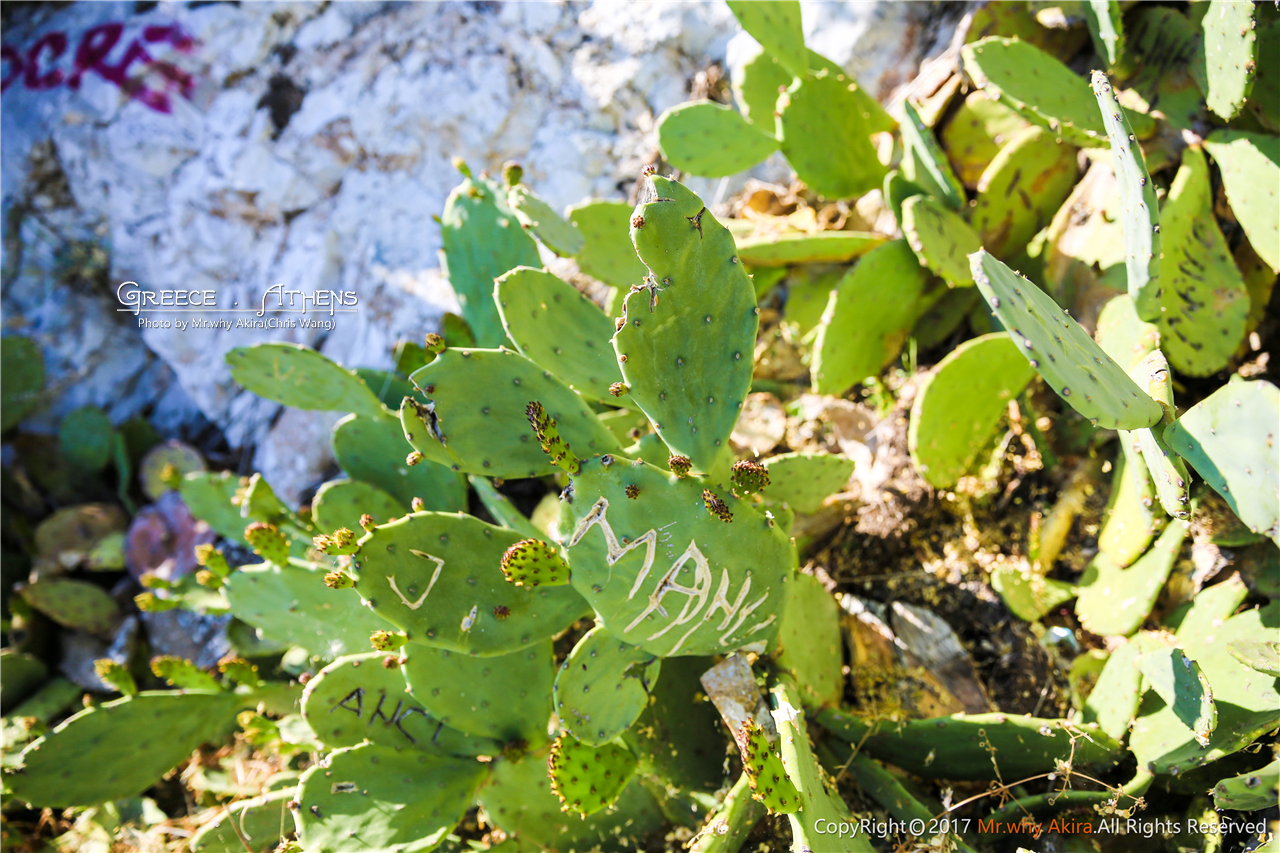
1250	166
268	542
1214	437
958	406
298	376
749	477
412	813
1021	189
686	343
603	686
532	563
940	239
76	604
557	234
923	162
709	139
505	697
802	247
453	560
477	414
1062	352
770	784
606	253
588	778
1180	682
340	503
531	303
172	724
1226	56
1116	601
803	481
372	450
815	108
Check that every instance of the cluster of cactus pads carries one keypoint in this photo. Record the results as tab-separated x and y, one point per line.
557	670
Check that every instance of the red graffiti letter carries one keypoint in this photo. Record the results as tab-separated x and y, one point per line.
92	53
56	42
14	59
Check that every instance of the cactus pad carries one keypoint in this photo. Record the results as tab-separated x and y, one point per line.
1106	28
769	781
756	78
709	139
558	328
809	643
1114	600
976	132
531	562
664	574
586	778
940	238
924	163
1181	683
957	407
820	107
802	247
776	25
536	215
1022	189
1168	472
183	674
603	686
1227	56
1257	789
373	450
1250	165
436	577
1218	437
505	697
373	797
804	480
259	821
1114	698
477	412
1061	351
1257	655
340	503
606	253
687	343
75	604
1130	523
298	376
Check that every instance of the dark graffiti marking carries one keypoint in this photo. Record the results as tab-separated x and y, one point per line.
398	716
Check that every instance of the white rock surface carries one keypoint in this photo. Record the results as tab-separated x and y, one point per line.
212	194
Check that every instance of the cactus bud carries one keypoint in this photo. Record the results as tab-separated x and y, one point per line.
149	602
501	611
512	173
544	426
632	491
116	675
715	506
637	221
679	465
213	560
341	541
531	562
413	458
435	343
338	580
418	505
617	389
239	670
268	542
153	581
171	475
206	578
651	169
749	476
366	521
461	166
385	641
390	662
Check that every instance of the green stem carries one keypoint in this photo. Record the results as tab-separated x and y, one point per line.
1015	810
738	816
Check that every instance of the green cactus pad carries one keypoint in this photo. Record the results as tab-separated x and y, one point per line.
558	328
23	365
1226	56
924	163
1168	471
208	495
23	674
603	686
166	464
1130	524
1247	701
756	84
1257	789
359	697
298	376
478	413
85	436
709	139
1124	337
1114	600
532	563
1022	189
557	234
1250	165
1203	301
958	406
821	804
1061	351
75	604
436	577
776	25
1181	683
1042	90
166	726
770	783
1028	594
976	132
801	247
1114	699
1257	654
678	736
341	503
821	107
293	606
698	587
687	343
1140	213
809	644
896	190
183	674
587	778
262	822
1106	28
803	481
1216	437
607	253
960	746
504	697
373	797
940	238
482	239
373	450
518	799
503	511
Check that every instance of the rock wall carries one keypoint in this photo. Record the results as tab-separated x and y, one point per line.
236	147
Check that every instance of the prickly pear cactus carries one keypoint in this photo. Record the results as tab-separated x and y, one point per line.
818	107
709	139
1021	189
298	376
588	778
1114	600
603	686
1250	166
924	163
802	481
1226	56
940	238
